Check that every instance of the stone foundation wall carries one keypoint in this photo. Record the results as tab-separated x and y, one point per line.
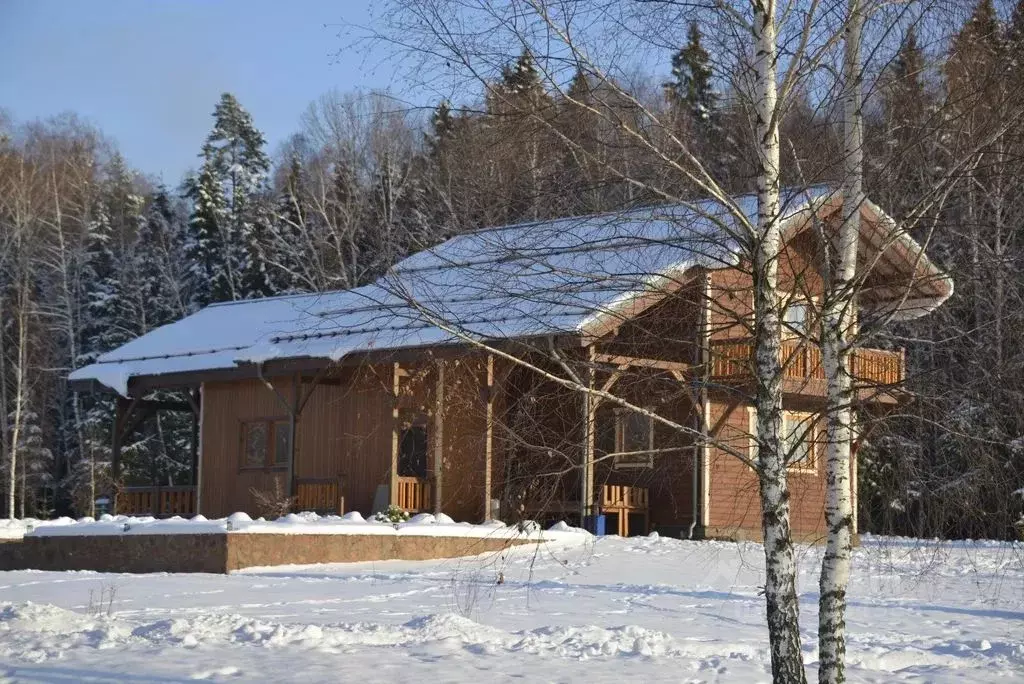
222	553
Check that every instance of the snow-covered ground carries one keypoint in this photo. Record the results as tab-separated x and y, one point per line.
610	610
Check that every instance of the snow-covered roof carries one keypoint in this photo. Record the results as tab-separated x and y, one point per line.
527	280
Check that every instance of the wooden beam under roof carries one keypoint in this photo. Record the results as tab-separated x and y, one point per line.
638	362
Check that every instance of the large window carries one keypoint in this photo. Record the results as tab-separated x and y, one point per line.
634	440
265	444
799	438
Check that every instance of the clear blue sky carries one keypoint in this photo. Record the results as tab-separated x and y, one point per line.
148	72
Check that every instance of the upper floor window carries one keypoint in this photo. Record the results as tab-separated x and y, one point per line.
265	443
634	440
796	317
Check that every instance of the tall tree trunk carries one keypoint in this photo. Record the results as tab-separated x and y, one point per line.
20	389
782	607
838	321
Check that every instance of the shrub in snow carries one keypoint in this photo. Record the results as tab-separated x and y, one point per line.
240	516
199	517
353	516
442	519
391	514
273	503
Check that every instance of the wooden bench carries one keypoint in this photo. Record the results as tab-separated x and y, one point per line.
623	501
320	495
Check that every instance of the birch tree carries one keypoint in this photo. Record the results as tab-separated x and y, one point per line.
837	328
766	89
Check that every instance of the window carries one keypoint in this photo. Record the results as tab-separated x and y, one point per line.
634	440
795	318
265	444
799	435
798	438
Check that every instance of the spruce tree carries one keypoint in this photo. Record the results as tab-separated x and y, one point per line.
230	219
691	85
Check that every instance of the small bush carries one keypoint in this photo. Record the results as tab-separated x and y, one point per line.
275	503
392	514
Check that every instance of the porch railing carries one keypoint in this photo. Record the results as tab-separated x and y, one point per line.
802	360
157	501
414	494
322	495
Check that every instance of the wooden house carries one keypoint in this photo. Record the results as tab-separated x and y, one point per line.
454	383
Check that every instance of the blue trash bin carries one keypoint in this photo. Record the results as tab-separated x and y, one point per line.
595	524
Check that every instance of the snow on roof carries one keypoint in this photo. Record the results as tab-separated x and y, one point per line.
526	280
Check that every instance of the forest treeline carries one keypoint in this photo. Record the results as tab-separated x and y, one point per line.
93	254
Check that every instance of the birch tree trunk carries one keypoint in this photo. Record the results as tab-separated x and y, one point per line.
838	320
20	389
782	607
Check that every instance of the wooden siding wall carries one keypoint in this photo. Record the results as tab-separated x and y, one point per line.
734	497
732	288
465	432
670	481
345	430
667	331
538	433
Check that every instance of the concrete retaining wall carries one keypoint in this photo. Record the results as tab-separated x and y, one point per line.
222	553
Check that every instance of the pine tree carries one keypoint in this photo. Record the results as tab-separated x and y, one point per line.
229	227
442	129
691	86
519	108
211	276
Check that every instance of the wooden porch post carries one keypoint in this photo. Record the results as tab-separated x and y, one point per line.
438	437
395	434
194	443
293	421
587	479
120	417
199	451
489	439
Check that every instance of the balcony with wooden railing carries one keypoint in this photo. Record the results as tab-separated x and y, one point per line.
160	502
802	364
